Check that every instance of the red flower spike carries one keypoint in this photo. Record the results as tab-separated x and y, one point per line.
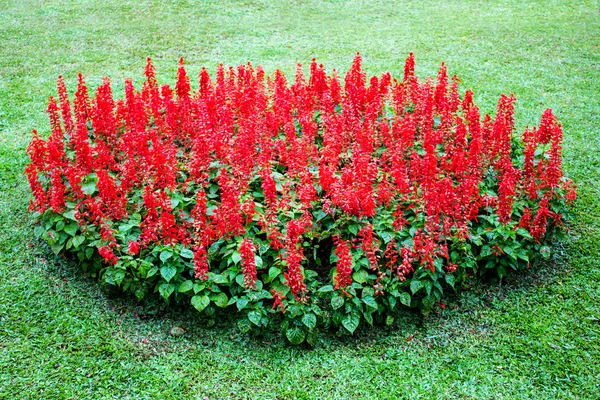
133	248
250	155
278	300
65	105
108	255
248	264
343	266
200	264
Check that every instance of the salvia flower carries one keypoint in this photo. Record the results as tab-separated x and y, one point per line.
248	263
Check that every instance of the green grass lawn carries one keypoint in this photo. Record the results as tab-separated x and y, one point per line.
536	335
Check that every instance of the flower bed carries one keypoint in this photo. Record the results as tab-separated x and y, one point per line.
324	203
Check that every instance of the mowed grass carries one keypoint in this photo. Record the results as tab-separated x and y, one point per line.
535	335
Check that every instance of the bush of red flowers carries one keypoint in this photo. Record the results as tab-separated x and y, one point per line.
324	203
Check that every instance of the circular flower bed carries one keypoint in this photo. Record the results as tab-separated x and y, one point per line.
324	203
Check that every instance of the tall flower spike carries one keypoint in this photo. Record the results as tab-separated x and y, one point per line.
65	105
343	266
247	249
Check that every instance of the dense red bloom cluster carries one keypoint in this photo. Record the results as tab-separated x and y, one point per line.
246	150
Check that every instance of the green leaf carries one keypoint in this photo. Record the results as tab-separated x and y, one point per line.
118	277
241	303
360	276
350	322
258	261
416	285
198	287
186	286
310	320
368	317
522	253
200	302
524	232
405	298
38	231
166	289
325	289
89	188
412	230
309	274
63	237
220	279
240	279
244	325
295	335
353	229
501	271
77	240
485	251
319	215
168	272
389	320
385	236
70	215
263	249
187	253
236	257
56	248
368	291
165	255
125	227
71	229
510	251
89	252
255	317
312	336
152	272
392	301
220	300
428	286
449	279
545	252
337	302
273	273
428	302
370	302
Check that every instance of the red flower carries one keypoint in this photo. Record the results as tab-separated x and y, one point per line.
248	264
278	300
108	255
200	264
133	248
343	266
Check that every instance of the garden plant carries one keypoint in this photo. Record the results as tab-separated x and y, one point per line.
324	203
